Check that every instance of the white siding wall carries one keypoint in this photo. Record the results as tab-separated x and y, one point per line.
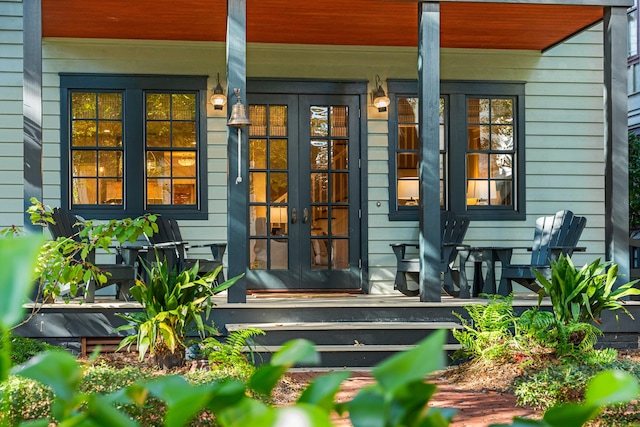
11	177
564	130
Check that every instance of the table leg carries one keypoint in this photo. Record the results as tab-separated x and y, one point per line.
478	280
463	257
504	256
490	281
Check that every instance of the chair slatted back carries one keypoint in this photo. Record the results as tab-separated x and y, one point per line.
453	227
562	230
167	234
66	225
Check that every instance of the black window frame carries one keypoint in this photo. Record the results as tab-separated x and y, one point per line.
455	94
133	89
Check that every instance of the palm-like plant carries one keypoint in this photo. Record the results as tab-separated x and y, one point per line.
174	303
582	295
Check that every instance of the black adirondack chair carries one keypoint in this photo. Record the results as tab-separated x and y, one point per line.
169	243
554	235
122	274
453	229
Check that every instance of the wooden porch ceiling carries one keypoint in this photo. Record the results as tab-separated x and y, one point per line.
331	22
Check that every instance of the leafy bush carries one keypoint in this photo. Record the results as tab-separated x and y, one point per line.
230	354
24	399
23	349
582	295
488	336
495	334
66	260
173	303
564	381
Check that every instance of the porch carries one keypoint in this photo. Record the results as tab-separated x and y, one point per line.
349	329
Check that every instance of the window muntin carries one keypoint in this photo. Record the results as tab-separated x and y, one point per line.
97	148
171	148
481	149
490	151
407	151
134	144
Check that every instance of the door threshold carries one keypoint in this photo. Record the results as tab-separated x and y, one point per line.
303	293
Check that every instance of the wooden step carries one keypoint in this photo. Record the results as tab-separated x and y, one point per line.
315	326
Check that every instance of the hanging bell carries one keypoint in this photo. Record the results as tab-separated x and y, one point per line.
238	116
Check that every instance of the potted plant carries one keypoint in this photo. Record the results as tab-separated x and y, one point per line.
173	305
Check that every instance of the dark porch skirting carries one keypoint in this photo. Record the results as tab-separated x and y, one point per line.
379	323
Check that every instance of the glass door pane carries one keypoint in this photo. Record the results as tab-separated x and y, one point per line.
268	188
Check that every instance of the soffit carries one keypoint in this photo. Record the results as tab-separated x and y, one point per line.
329	22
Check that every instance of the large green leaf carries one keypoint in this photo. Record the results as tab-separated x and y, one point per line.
611	387
298	351
301	415
191	402
56	369
406	367
247	412
265	378
103	414
407	404
368	408
18	257
570	415
322	390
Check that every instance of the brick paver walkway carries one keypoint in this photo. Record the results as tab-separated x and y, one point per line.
475	408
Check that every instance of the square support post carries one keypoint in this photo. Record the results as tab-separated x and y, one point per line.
32	105
429	143
237	198
616	139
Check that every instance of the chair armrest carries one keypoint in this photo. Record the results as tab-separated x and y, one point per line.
572	248
413	245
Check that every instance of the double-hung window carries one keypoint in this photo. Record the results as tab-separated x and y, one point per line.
134	144
481	149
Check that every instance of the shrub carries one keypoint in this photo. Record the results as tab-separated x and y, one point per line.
23	349
173	303
230	354
582	295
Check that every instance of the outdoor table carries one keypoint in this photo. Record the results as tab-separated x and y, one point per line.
484	256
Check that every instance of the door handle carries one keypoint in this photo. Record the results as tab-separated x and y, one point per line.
294	216
305	215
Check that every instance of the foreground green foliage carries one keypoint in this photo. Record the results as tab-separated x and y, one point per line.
399	397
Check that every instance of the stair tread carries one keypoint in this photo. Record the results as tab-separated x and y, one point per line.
342	325
353	347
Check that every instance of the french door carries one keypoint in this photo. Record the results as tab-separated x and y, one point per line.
304	192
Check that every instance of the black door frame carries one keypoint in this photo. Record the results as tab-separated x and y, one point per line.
320	87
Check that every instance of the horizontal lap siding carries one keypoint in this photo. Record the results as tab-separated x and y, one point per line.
563	131
564	149
11	146
140	57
